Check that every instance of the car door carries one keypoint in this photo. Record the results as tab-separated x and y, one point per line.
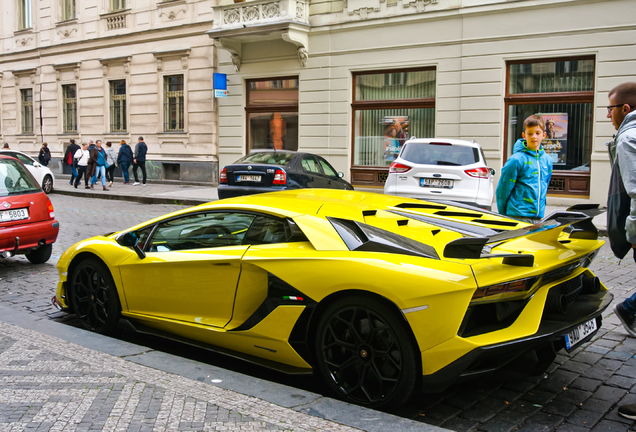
331	176
313	173
191	268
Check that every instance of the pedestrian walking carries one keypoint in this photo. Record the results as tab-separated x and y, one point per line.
98	154
621	201
45	154
139	160
92	162
82	156
69	159
111	161
125	159
525	176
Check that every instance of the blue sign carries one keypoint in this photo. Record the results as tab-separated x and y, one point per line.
220	85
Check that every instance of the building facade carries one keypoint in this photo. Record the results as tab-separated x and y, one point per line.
111	70
340	78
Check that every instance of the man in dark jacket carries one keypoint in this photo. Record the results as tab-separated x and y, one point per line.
621	203
70	160
125	159
45	154
139	160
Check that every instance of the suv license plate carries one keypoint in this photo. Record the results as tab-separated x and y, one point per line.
436	183
580	333
13	215
251	178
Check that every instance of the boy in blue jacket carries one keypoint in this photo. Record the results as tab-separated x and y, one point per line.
525	176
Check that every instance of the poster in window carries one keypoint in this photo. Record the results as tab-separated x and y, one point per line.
555	142
396	132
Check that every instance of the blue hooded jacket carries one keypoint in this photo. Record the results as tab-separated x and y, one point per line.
524	181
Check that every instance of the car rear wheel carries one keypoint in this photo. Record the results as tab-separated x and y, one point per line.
94	296
365	354
40	255
47	184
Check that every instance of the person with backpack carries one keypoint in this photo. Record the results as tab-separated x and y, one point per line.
45	154
99	156
139	160
81	156
69	159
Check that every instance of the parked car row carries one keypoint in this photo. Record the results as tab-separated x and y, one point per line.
42	174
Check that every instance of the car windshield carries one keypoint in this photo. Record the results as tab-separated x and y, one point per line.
15	179
274	158
440	154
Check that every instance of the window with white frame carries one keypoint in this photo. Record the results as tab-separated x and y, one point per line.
26	97
26	20
118	106
116	5
69	107
68	9
173	108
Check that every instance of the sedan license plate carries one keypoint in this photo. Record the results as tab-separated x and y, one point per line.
250	178
579	333
13	215
436	183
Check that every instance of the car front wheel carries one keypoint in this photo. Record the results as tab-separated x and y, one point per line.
47	184
365	353
94	297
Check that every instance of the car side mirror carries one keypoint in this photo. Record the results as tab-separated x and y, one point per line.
36	164
340	174
131	240
492	171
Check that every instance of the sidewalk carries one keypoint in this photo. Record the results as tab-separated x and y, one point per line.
58	377
182	193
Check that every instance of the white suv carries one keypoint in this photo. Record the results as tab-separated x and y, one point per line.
442	169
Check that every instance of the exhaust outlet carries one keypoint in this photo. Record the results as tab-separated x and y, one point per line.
591	285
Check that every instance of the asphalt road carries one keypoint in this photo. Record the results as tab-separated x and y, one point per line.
580	392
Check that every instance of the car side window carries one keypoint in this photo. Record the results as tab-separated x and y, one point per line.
309	164
25	160
200	231
266	230
328	169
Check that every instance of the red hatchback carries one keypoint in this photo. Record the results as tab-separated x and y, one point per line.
27	220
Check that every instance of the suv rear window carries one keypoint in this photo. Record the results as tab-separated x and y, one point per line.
275	158
440	154
15	179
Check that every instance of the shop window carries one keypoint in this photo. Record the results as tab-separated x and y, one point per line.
388	108
272	114
118	106
69	108
562	92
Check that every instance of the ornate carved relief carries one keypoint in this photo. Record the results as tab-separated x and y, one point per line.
23	41
251	13
67	66
66	32
233	47
173	14
418	4
303	55
181	54
363	7
125	61
300	10
271	10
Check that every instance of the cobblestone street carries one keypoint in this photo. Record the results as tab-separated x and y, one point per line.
49	384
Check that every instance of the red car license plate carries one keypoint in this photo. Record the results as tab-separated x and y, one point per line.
13	215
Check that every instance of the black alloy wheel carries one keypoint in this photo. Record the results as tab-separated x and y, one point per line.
94	296
366	354
47	184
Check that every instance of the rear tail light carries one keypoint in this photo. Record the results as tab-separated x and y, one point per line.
223	176
398	168
50	208
280	178
518	286
479	172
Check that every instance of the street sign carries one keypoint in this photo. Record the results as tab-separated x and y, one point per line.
220	85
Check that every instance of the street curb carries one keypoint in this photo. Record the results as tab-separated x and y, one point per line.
131	198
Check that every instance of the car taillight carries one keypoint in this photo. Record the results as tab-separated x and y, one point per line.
280	178
479	172
50	208
398	168
223	176
518	286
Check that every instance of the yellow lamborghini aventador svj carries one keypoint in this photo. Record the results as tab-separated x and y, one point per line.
382	296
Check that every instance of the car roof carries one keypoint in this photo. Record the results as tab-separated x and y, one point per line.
445	141
15	151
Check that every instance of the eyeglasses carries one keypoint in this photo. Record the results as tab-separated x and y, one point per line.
609	108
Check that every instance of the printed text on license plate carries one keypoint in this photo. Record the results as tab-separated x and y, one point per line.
579	333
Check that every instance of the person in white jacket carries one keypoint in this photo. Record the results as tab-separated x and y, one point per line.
81	156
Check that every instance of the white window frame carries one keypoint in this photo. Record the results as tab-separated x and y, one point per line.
110	82
164	102
65	112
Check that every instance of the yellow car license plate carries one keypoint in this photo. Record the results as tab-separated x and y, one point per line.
579	333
